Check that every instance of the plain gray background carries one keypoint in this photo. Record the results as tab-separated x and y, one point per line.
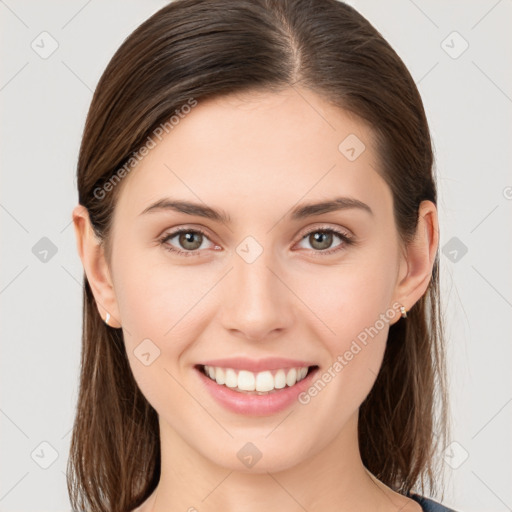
459	54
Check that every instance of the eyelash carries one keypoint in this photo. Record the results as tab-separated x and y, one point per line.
345	237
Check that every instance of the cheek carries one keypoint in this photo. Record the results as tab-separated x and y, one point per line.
350	297
154	293
159	304
354	304
163	307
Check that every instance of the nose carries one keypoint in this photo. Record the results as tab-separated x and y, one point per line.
256	304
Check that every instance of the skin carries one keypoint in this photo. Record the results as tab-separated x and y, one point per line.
256	157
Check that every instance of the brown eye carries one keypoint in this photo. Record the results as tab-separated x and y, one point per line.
190	240
187	243
320	240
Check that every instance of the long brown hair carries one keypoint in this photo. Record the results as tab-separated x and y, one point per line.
198	49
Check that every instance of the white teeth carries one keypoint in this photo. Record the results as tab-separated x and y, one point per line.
280	379
231	378
261	382
220	375
264	381
291	377
246	381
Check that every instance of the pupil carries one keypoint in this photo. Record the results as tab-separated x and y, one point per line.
188	238
324	239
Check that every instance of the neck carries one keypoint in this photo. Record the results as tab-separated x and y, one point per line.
333	480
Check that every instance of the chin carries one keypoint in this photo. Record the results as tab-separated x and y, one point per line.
259	456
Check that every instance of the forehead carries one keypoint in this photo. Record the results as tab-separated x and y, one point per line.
241	151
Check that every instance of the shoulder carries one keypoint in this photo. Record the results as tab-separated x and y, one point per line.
429	505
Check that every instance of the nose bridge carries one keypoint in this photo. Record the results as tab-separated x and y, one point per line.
256	302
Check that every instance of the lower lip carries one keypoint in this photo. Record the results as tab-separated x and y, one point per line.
256	405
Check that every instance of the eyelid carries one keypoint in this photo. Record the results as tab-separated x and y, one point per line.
325	227
186	227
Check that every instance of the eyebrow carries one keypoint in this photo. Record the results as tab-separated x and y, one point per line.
188	208
299	212
339	203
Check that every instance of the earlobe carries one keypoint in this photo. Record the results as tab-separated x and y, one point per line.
419	257
92	254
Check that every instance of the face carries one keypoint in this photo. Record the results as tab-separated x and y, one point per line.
267	286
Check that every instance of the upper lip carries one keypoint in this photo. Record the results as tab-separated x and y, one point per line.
257	365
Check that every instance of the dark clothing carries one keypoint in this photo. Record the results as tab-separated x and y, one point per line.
429	505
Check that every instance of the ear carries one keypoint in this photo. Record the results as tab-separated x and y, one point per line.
417	259
95	265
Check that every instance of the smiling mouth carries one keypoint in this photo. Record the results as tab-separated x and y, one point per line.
256	383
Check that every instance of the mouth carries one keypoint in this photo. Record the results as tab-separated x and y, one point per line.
265	382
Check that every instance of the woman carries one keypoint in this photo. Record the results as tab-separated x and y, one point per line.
258	228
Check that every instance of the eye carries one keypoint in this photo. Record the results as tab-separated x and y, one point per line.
321	239
189	239
192	241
